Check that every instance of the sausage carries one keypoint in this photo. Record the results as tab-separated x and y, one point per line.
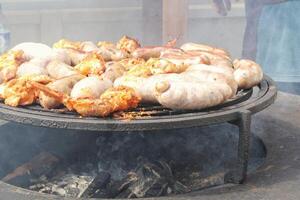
128	44
63	85
34	50
58	69
76	56
247	73
35	66
113	71
213	77
182	58
90	87
214	59
184	95
205	48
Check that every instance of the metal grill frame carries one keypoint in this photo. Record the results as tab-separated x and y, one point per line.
238	114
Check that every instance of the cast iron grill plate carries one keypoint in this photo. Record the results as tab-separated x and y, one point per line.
146	117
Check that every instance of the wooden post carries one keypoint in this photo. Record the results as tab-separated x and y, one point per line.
152	22
175	20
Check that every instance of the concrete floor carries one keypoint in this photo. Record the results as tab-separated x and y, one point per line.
279	177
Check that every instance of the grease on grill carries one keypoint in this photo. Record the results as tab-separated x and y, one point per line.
140	113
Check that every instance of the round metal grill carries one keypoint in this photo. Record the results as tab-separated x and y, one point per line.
146	117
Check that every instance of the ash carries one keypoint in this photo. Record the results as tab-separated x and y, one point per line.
72	182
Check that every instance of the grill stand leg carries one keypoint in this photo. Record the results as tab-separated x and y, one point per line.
239	174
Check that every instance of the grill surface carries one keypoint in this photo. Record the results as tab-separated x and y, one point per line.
147	117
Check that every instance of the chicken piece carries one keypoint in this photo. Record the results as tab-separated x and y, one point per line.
90	87
64	85
113	71
67	44
156	66
36	66
128	63
163	66
215	59
204	48
9	63
184	95
128	44
34	50
140	71
19	91
112	100
92	64
58	69
247	73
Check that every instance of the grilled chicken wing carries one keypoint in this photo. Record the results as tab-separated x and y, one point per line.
92	64
9	63
19	91
67	44
156	66
128	44
112	100
129	63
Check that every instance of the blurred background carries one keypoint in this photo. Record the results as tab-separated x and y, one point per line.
50	20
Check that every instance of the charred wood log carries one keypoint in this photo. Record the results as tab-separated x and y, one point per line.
42	164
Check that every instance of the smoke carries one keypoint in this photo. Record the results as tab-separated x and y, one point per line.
206	150
19	143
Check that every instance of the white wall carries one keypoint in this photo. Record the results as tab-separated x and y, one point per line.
49	20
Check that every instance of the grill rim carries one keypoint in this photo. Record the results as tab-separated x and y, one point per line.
266	96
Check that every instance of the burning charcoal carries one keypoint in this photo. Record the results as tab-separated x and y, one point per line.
41	164
96	186
150	180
